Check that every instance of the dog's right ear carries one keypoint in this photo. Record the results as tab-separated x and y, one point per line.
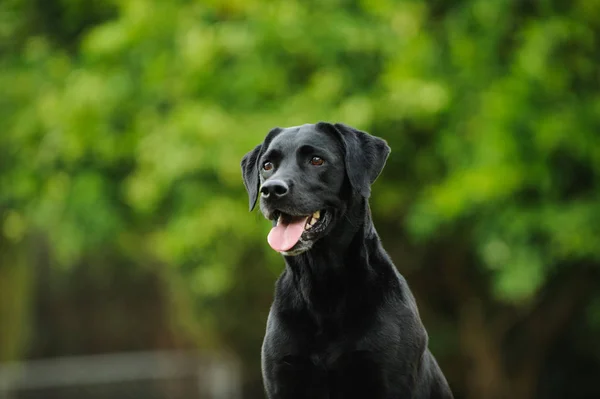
250	174
250	167
365	156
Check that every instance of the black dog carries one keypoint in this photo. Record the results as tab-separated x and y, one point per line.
344	323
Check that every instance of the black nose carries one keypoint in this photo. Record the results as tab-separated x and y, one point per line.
274	189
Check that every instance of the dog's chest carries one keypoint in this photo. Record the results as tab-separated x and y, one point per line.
328	344
327	356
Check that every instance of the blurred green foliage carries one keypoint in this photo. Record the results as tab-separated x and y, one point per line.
124	124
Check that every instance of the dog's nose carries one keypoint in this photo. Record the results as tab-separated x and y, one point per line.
274	189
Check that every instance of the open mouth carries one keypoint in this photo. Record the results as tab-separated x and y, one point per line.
289	230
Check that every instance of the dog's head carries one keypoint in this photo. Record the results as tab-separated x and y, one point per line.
305	175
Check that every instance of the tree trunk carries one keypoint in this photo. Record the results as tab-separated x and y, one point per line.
491	375
485	377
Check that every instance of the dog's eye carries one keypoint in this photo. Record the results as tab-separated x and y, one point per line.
317	161
267	166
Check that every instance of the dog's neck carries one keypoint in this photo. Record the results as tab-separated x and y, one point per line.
326	276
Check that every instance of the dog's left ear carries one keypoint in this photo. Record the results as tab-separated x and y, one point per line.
250	167
250	174
365	157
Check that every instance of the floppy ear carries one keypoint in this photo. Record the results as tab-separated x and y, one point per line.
365	157
250	174
250	167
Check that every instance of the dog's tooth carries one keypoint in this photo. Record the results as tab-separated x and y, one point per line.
317	214
308	225
313	221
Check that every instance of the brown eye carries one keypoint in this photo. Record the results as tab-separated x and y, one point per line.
317	161
267	166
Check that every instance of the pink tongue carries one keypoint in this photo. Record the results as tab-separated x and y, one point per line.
285	235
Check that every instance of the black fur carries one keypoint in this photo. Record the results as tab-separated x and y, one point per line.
344	323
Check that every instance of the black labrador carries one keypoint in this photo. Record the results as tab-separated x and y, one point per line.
344	323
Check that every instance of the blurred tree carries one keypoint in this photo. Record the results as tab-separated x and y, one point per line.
124	124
